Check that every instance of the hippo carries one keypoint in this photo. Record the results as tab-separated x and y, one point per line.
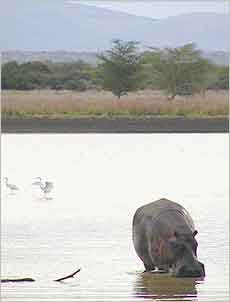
164	239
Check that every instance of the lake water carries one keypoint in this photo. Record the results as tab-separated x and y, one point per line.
99	182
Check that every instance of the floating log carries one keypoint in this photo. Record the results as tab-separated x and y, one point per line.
18	280
69	276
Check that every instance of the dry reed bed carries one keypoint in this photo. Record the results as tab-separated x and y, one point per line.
101	103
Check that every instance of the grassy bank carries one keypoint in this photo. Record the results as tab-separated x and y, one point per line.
142	104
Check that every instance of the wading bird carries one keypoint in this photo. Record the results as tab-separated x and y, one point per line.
12	187
45	187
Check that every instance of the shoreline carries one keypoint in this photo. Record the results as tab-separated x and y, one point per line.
115	125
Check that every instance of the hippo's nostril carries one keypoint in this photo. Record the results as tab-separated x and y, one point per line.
201	269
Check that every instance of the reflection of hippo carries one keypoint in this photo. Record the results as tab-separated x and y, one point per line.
159	286
164	237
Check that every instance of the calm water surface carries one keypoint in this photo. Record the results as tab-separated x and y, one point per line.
100	180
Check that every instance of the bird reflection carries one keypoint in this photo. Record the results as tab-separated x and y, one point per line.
165	287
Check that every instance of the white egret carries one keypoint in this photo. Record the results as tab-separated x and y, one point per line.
12	187
45	187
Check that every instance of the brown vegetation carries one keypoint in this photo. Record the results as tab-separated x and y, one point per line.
144	103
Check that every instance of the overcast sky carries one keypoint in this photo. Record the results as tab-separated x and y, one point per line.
161	9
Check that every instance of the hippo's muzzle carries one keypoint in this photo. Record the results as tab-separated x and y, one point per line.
196	271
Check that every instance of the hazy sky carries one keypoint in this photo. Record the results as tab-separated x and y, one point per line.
161	9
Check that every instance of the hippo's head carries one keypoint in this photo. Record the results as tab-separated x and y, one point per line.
183	250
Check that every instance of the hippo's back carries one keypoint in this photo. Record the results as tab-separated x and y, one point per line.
156	208
164	215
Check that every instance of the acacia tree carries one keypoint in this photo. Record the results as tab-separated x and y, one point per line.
119	68
180	71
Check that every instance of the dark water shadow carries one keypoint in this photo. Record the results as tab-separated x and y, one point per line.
165	287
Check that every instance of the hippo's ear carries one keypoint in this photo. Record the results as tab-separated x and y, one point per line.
194	233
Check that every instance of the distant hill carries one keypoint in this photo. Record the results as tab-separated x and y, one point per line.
219	58
52	56
57	25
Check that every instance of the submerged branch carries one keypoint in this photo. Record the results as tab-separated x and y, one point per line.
69	276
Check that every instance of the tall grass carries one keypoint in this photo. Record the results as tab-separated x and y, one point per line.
146	103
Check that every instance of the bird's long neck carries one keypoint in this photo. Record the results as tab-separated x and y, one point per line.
42	186
40	182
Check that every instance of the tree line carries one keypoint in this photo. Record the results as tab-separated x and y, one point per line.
123	68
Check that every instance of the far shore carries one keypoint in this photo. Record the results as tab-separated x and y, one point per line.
91	111
115	125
